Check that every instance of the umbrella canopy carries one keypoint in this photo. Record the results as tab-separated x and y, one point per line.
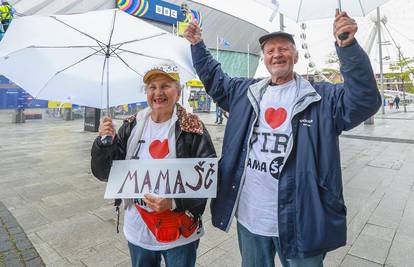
95	59
304	10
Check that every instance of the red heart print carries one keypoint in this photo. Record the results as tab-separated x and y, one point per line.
158	149
275	117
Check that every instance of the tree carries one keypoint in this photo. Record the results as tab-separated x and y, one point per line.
401	70
333	73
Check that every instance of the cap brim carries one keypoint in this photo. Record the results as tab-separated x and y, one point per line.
149	74
285	35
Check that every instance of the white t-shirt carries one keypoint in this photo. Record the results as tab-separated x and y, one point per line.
155	143
258	205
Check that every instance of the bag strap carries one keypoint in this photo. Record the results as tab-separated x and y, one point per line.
117	203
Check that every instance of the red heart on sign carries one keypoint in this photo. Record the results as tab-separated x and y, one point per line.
158	149
275	117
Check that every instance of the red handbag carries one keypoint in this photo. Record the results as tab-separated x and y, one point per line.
167	226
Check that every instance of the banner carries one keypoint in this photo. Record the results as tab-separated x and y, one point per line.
181	27
57	104
195	83
168	178
160	11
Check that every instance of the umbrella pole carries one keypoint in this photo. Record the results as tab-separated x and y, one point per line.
343	35
107	84
107	139
340	5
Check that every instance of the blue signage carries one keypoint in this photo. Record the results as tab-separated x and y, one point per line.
160	11
13	97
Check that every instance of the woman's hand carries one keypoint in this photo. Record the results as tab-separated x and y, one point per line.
106	128
158	204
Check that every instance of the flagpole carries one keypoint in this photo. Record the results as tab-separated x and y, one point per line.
217	47
176	29
248	60
380	60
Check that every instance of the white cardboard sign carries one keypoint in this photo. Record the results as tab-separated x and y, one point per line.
168	178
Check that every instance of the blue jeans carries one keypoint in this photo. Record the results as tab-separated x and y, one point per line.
260	251
183	256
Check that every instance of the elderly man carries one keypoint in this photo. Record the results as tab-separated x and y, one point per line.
280	171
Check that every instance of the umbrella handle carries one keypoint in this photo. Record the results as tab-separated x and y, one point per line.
106	140
343	36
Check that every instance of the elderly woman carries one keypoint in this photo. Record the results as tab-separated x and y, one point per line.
163	130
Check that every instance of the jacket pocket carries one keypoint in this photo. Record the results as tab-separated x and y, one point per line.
330	201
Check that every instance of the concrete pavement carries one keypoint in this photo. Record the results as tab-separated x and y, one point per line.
47	186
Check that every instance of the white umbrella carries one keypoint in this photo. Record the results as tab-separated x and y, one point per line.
95	59
305	10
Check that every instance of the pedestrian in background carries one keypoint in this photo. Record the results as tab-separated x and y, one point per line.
219	115
397	102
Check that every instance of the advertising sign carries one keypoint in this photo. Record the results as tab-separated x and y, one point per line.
160	11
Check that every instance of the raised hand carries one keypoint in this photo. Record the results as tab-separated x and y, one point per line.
193	33
344	23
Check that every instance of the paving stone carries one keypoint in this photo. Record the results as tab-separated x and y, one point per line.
230	244
23	245
62	263
105	213
126	263
211	256
13	201
122	245
335	258
37	192
226	261
358	222
6	245
12	258
371	248
351	261
69	236
36	262
106	257
202	248
213	236
32	220
35	239
48	254
401	252
406	226
74	208
379	232
15	230
29	254
387	218
20	237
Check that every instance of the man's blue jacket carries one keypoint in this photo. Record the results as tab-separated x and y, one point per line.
312	212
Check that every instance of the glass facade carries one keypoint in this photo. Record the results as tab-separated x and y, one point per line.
235	63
